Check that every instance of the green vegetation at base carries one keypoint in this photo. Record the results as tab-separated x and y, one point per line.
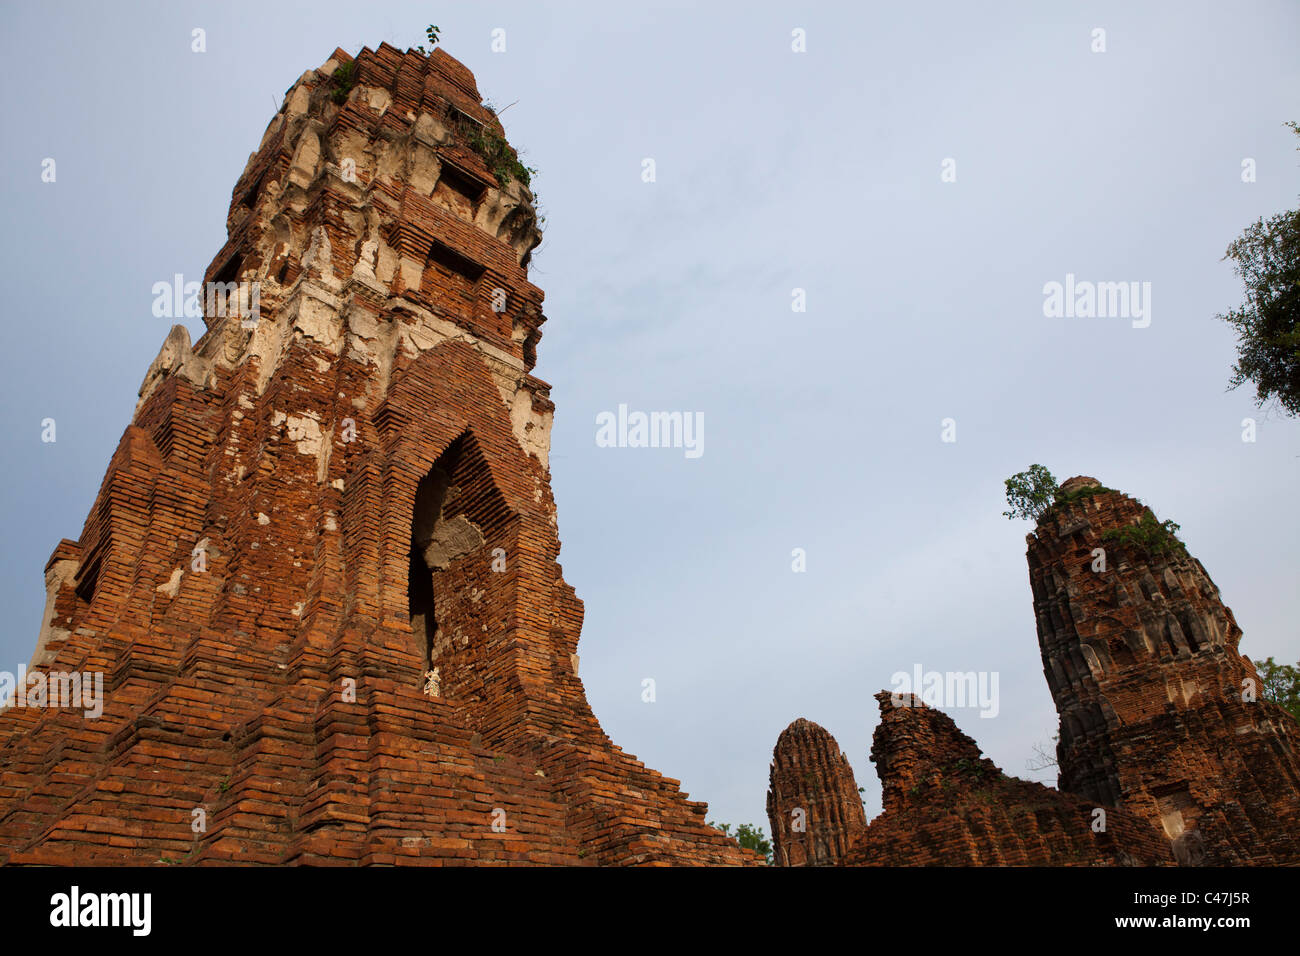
750	837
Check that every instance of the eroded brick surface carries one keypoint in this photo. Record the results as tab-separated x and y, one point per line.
946	805
320	576
813	804
1153	695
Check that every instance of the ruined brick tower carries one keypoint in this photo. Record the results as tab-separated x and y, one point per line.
946	805
1167	753
320	578
1159	712
813	804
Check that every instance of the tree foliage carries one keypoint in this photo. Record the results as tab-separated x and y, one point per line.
1267	258
1030	493
1281	685
750	837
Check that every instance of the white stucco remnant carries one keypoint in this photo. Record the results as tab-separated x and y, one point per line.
60	573
303	430
531	428
319	254
306	159
300	96
377	99
177	357
172	586
449	539
365	265
315	313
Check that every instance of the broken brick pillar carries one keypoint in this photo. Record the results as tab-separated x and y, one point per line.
947	805
813	804
1159	712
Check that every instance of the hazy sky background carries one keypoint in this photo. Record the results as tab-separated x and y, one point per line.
775	170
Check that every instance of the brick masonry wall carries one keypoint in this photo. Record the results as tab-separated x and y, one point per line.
946	805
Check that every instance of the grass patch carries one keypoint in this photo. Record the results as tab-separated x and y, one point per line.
498	155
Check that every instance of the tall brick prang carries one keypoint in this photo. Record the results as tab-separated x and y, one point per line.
321	576
1159	711
813	804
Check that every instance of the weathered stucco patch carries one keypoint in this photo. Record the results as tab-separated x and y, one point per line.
172	586
452	538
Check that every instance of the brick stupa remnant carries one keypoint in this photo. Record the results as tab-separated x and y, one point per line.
321	576
1168	752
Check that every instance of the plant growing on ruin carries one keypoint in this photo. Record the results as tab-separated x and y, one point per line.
1043	758
1267	258
1087	491
431	34
498	155
1153	538
1033	493
345	77
1030	493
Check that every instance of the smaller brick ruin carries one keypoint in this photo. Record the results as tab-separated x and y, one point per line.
813	803
1168	753
944	805
1159	711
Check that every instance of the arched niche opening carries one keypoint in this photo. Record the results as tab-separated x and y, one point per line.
443	535
429	497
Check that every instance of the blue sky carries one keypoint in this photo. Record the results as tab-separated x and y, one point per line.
775	170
